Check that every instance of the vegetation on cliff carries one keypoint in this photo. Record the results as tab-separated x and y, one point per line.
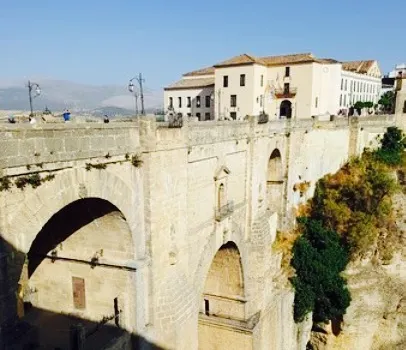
350	217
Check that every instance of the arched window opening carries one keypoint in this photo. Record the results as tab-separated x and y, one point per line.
275	182
285	109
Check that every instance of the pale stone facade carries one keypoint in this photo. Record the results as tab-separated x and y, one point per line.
178	246
291	86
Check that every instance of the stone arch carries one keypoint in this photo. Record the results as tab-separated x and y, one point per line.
81	248
24	223
225	280
285	109
223	300
274	183
275	170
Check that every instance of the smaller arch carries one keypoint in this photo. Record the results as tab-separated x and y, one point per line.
275	166
285	109
274	184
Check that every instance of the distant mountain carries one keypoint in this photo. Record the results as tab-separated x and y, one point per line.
59	95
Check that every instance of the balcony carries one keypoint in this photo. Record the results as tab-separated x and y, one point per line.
285	93
224	211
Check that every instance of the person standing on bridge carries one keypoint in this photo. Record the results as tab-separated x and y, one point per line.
66	115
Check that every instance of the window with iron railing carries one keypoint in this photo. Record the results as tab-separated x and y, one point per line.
198	102
189	102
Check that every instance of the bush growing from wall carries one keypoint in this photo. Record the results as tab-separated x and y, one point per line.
319	258
392	147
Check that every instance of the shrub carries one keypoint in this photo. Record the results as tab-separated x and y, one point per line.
392	147
356	202
5	183
319	258
136	160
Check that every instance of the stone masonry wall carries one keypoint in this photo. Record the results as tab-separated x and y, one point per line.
171	205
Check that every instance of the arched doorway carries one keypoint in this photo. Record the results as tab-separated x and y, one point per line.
285	109
275	181
223	302
76	271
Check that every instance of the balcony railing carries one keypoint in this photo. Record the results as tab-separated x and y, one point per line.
263	118
285	93
224	211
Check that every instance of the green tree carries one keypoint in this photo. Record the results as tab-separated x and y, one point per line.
392	146
319	258
387	101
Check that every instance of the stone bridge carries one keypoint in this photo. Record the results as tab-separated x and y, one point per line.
164	233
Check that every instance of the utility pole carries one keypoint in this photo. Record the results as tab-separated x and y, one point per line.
131	88
31	86
140	80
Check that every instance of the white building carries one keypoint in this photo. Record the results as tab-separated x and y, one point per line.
291	86
399	69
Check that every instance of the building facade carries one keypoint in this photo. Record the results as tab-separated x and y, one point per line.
290	86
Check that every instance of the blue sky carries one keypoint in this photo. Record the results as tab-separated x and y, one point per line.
108	41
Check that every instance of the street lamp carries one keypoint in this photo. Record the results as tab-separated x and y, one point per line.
131	88
37	89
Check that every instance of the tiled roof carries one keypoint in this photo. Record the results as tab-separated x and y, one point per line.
240	60
203	71
287	59
191	83
358	66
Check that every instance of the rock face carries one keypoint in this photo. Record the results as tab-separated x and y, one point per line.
376	318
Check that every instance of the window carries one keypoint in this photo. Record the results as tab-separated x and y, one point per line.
198	101
233	115
189	102
180	102
233	101
351	85
316	102
342	84
341	100
189	114
242	79
225	81
207	101
287	71
79	297
198	115
262	80
345	100
346	84
286	87
261	99
170	102
207	116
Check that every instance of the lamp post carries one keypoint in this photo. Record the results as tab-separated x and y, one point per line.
131	88
32	86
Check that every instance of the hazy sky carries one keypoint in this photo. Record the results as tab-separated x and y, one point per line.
109	41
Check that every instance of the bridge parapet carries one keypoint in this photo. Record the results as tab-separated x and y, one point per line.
23	145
